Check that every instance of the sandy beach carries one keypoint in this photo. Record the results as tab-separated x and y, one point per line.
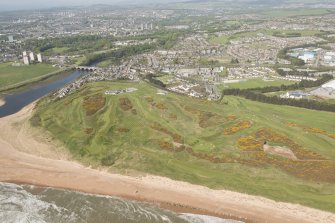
2	102
27	156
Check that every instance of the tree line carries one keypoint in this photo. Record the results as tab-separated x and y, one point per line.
118	54
257	94
74	43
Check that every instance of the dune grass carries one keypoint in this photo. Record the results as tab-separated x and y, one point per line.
194	140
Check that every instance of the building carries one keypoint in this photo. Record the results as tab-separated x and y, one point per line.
10	39
39	57
31	56
26	60
294	95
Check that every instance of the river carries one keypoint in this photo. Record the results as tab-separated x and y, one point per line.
18	99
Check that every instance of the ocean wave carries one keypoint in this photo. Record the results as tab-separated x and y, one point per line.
33	204
196	218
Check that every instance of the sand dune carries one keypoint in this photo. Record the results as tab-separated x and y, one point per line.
28	157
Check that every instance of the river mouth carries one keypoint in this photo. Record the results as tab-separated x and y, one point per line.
13	101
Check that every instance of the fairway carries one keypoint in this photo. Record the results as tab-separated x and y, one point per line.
216	144
10	75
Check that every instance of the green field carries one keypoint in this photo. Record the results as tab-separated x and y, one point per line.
11	75
255	83
296	12
216	144
59	50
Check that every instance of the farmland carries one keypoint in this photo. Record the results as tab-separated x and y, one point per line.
217	144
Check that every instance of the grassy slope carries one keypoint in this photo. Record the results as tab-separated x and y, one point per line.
139	150
10	75
254	83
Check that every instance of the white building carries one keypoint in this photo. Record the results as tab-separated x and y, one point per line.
10	39
26	60
31	56
294	95
39	58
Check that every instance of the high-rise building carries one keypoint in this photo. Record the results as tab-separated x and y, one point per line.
39	57
26	60
151	26
31	56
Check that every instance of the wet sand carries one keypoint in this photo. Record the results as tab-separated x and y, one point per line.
30	157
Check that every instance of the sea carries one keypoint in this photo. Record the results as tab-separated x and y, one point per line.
34	204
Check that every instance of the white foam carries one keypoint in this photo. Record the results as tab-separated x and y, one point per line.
18	205
196	218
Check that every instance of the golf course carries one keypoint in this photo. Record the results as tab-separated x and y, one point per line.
279	152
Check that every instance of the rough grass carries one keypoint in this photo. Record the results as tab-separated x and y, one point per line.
125	104
186	141
93	103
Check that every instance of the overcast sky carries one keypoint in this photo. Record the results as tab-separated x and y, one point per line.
33	4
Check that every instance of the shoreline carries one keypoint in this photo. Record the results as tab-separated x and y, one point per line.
174	207
26	157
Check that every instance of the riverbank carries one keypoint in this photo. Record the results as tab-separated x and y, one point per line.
34	80
29	157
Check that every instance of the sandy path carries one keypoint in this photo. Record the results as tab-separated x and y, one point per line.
25	159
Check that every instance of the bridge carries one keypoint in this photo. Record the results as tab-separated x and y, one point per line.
85	68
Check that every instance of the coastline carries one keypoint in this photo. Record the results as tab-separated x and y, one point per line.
28	158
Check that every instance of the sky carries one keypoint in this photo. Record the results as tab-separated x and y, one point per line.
6	5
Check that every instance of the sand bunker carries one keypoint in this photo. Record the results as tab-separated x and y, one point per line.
279	151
